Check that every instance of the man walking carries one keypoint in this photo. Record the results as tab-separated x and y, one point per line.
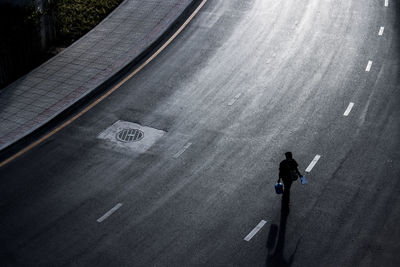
288	172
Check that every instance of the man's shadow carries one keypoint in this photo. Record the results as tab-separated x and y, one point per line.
275	256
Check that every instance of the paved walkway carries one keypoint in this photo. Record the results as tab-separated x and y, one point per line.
41	95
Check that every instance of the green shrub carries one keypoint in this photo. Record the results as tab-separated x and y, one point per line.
74	18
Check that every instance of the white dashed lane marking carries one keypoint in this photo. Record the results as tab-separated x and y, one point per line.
369	65
180	152
381	31
234	99
347	112
255	230
313	162
386	3
108	213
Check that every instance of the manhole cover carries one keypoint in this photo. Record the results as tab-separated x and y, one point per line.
130	135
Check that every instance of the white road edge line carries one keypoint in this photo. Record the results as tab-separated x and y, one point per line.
386	3
255	230
108	213
347	112
313	162
180	152
369	66
381	31
234	99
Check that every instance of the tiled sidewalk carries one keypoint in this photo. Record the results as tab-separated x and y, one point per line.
41	95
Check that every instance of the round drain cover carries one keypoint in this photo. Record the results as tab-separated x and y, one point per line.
130	135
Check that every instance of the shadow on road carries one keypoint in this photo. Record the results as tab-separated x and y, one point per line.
276	257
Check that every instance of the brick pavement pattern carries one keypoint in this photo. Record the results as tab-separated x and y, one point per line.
41	95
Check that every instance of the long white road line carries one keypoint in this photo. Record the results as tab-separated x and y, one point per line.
369	65
180	152
234	99
381	31
347	112
255	230
313	162
109	213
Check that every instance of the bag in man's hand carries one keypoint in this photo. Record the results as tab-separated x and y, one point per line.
279	188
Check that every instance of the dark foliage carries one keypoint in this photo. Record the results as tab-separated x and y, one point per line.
74	18
19	42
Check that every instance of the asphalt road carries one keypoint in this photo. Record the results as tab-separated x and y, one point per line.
245	82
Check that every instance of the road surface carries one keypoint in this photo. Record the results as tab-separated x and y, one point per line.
243	83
